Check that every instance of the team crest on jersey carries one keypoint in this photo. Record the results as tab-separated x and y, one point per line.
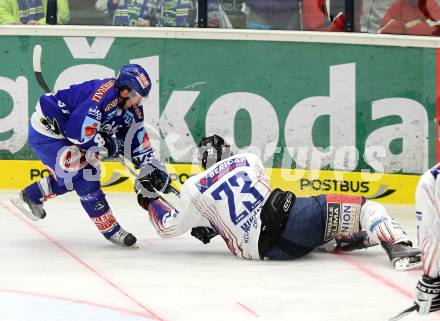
219	171
51	125
89	128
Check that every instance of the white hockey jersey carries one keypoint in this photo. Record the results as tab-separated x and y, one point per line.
227	197
428	220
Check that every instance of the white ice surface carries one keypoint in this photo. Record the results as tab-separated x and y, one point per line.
62	269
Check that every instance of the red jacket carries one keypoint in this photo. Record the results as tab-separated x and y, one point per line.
316	17
403	17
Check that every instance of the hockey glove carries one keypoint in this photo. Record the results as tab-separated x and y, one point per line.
153	177
114	146
428	295
203	233
352	241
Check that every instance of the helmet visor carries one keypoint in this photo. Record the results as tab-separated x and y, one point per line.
134	97
133	94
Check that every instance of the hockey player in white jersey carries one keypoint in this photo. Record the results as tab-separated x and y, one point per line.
428	227
232	198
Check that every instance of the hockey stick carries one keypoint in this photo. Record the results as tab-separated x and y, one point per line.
404	313
36	62
163	197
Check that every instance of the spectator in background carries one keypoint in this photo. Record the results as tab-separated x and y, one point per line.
373	14
30	12
412	17
272	14
160	13
322	15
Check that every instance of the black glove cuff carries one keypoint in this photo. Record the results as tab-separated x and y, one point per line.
143	202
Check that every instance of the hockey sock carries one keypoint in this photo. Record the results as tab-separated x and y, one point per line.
380	226
99	211
44	189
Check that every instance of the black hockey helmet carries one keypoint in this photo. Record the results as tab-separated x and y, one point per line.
213	149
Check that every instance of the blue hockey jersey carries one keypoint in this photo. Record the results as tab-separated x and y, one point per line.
83	111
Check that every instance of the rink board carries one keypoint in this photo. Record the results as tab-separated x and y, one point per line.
385	188
298	103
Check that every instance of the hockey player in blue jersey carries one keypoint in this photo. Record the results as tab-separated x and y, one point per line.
72	129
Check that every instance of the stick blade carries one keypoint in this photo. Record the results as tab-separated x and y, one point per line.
36	58
404	313
36	62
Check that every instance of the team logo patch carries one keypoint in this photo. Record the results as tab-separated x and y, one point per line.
144	140
51	125
89	128
143	81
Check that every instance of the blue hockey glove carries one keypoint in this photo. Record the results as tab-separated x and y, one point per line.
113	145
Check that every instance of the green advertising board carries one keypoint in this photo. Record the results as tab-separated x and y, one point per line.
332	106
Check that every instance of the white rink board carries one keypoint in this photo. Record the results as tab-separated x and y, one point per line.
62	269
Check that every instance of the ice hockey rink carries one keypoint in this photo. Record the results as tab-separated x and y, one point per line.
62	269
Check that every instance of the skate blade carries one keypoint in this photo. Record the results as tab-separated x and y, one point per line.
134	246
405	264
21	206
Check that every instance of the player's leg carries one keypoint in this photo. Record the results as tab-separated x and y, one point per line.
428	234
428	223
303	231
31	199
95	204
383	229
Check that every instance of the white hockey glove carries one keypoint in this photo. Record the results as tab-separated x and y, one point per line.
427	295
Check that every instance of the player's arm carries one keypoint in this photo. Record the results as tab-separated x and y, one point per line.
169	220
83	129
135	137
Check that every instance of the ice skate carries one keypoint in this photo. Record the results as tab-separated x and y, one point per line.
32	210
403	256
123	238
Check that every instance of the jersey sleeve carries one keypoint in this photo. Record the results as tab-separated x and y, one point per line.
83	126
170	222
134	130
256	164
